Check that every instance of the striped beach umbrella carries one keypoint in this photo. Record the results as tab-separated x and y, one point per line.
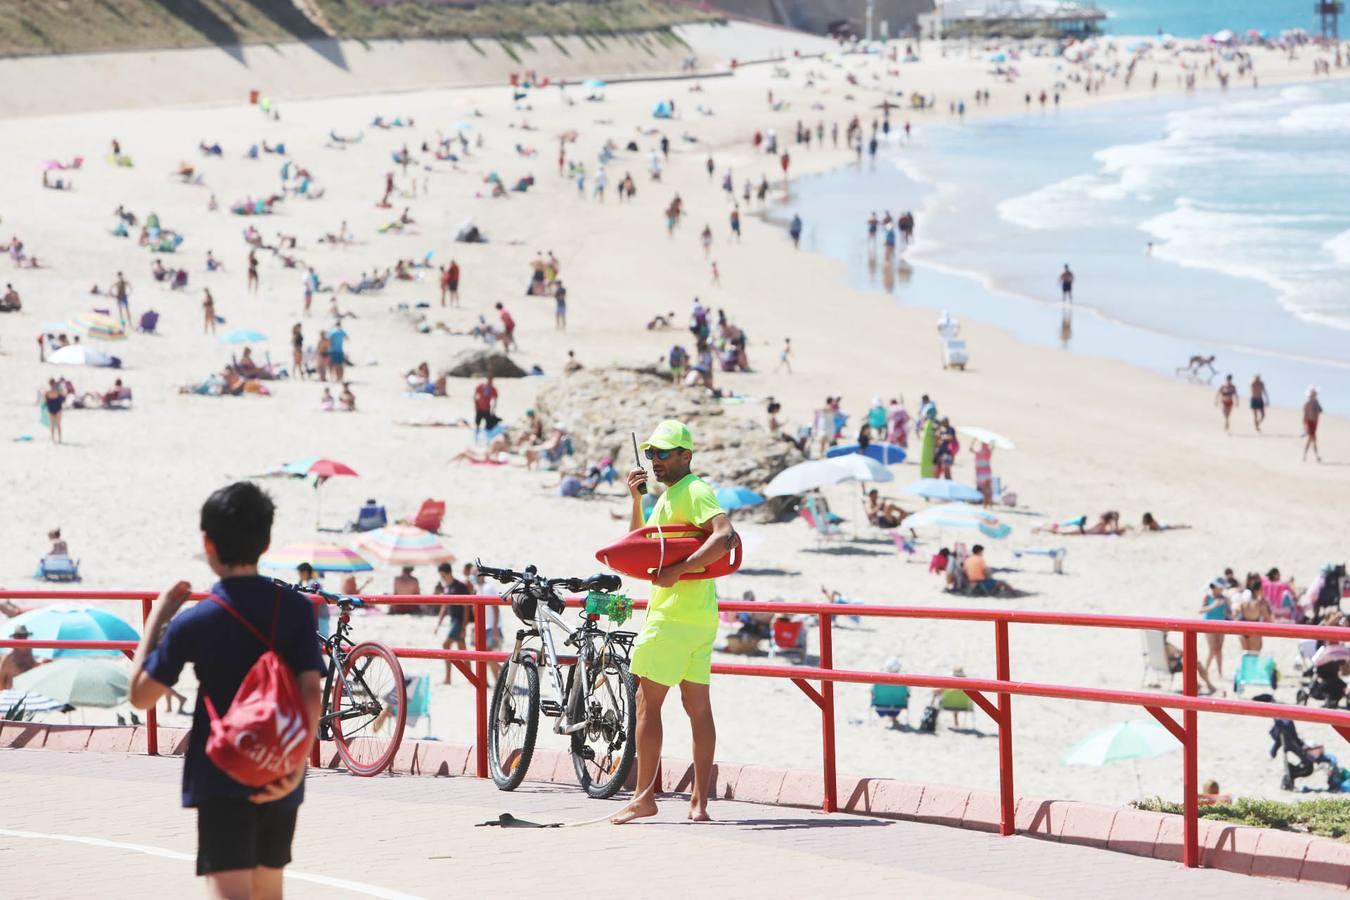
324	556
100	327
403	545
959	515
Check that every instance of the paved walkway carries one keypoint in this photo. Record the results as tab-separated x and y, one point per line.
109	825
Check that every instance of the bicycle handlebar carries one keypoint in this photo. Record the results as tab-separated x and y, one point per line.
601	582
315	590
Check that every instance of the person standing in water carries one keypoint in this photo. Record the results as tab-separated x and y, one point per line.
1260	400
1066	284
675	645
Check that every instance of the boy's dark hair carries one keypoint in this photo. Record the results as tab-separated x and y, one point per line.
238	520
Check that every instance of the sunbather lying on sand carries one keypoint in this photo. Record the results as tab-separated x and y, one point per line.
1107	523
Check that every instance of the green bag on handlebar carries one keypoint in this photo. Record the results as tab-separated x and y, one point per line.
616	607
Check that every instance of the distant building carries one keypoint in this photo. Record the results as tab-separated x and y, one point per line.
834	16
1011	18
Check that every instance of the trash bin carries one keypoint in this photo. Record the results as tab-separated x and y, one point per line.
253	98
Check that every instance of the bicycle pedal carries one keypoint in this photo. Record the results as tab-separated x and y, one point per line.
550	708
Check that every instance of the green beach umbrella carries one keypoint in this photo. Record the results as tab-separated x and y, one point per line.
1135	739
82	681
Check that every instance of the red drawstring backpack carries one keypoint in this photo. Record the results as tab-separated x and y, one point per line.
265	733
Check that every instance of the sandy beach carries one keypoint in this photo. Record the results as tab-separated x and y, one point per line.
1091	434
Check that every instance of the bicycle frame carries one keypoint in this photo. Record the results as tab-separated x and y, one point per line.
542	627
337	646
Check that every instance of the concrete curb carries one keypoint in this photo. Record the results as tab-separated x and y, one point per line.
1262	852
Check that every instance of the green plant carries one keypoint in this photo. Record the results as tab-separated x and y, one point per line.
1323	816
17	713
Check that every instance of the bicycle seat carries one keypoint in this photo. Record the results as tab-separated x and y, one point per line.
601	582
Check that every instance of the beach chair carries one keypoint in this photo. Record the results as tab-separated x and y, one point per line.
429	516
955	702
1056	555
824	531
789	637
149	321
419	701
1156	663
889	700
1255	670
370	517
58	568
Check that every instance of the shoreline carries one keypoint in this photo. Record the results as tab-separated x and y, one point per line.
1144	346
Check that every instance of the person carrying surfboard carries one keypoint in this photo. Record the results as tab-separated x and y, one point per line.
675	645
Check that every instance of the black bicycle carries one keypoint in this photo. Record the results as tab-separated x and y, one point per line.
595	699
365	697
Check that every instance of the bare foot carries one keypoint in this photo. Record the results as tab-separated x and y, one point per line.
639	808
699	814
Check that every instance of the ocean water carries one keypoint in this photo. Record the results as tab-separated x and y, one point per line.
1244	198
1194	18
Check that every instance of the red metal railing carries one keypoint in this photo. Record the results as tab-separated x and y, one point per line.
1002	685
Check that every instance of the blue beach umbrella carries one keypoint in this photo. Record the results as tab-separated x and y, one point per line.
243	336
886	454
737	497
942	489
300	467
72	622
593	83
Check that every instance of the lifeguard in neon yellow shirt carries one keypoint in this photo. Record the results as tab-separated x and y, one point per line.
675	645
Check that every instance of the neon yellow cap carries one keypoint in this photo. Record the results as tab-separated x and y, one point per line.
670	435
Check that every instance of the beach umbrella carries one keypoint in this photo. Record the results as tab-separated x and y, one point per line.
79	355
805	477
100	327
858	467
403	545
79	682
323	469
593	83
324	556
74	622
461	126
34	703
959	515
992	438
243	336
884	453
999	57
942	489
737	497
299	468
1135	739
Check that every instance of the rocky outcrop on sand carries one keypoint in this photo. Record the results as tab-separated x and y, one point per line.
601	407
477	363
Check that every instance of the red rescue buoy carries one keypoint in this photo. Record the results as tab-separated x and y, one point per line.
639	554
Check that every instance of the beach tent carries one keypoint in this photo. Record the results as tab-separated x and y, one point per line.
662	110
79	355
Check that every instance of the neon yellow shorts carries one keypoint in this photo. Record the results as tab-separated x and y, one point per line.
670	652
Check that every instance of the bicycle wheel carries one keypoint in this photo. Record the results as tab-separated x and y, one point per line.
513	723
370	703
603	752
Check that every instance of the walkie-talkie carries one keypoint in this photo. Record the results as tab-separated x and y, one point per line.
642	488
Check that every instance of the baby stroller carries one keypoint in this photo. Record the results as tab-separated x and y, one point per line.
1300	759
1321	679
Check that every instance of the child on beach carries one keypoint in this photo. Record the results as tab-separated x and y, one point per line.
244	834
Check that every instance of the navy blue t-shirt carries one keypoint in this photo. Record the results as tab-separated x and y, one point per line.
222	651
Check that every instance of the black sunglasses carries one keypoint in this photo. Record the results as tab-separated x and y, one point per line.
658	454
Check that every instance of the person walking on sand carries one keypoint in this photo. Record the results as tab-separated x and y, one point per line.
337	351
1226	398
508	329
785	357
208	312
484	406
1260	400
121	289
559	306
452	282
795	230
244	834
309	290
674	647
253	271
1066	284
53	400
298	352
1312	412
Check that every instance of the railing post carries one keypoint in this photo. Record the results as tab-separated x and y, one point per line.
1007	800
831	799
1190	787
480	692
151	714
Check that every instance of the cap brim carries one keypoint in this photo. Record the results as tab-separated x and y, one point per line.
658	445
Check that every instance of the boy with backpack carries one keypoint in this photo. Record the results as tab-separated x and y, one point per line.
259	672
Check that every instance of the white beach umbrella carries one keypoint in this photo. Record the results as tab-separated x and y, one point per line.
992	438
861	468
805	477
